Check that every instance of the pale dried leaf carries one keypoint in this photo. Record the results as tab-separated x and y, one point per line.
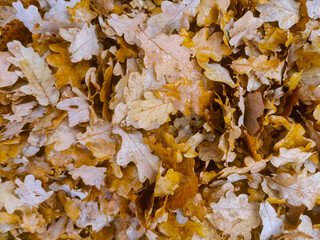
286	12
30	191
78	110
93	176
7	78
36	70
84	42
174	16
134	150
271	223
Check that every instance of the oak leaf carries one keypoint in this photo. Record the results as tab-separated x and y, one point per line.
286	12
134	150
93	176
174	16
30	191
78	110
167	184
206	47
97	139
91	215
216	73
271	223
37	72
293	157
149	113
235	215
313	8
186	95
128	27
81	12
57	17
7	200
84	42
168	57
68	72
298	189
62	136
7	78
246	26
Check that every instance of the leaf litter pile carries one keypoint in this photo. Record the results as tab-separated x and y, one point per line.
151	119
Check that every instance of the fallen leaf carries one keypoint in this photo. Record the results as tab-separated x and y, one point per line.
93	176
30	191
7	78
167	184
37	72
302	189
78	110
134	150
174	16
271	223
286	12
186	95
246	26
235	215
84	42
206	47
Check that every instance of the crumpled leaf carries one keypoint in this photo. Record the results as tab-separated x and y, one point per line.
78	110
37	72
207	10
84	42
271	223
174	16
273	38
7	78
235	215
93	176
30	191
286	12
134	150
294	137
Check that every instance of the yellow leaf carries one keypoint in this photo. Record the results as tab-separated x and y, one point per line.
69	206
68	72
206	47
294	81
167	184
125	51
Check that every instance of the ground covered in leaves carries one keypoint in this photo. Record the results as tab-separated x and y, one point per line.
151	119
